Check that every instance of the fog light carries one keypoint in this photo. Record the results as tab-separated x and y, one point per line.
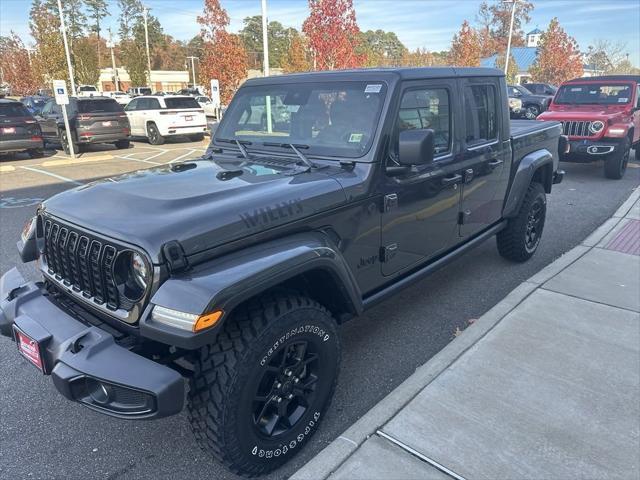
98	391
184	320
615	132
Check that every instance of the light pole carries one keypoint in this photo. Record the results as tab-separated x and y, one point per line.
116	81
63	29
145	14
265	39
506	60
193	69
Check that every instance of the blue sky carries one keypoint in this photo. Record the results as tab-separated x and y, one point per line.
418	23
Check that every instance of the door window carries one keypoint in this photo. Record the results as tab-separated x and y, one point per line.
425	108
132	105
480	114
46	110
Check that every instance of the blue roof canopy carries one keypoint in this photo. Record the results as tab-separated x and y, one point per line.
524	57
535	31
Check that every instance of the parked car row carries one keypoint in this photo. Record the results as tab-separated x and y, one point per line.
530	105
97	120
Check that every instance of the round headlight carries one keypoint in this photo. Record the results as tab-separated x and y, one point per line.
596	126
140	270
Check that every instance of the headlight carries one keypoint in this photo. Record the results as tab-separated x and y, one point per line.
515	103
596	127
140	270
28	229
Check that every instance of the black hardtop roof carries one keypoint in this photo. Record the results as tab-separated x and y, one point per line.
373	74
607	78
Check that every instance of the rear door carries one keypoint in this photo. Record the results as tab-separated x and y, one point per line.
101	116
50	116
421	206
133	115
487	154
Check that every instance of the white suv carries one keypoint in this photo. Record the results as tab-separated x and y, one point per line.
159	117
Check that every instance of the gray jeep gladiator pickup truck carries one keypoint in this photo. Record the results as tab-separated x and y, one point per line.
220	282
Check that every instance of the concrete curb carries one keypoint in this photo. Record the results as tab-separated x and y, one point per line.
329	460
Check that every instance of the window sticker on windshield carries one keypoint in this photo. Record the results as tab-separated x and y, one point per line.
293	108
576	89
373	88
623	100
356	137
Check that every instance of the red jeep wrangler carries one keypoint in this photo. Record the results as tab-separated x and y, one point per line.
601	117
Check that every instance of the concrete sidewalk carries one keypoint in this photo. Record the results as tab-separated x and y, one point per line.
545	385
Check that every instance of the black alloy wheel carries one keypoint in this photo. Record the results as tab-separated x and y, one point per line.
535	218
286	389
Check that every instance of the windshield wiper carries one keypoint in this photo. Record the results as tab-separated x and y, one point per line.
239	143
295	148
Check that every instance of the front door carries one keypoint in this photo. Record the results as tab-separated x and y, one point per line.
421	206
486	157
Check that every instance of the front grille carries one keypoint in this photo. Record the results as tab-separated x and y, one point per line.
577	128
82	262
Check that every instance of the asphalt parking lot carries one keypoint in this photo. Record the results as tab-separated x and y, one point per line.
44	436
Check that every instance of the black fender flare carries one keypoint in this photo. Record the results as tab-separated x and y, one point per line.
527	169
226	282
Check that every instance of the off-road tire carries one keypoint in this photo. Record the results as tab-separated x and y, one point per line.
228	373
513	242
532	112
122	144
154	134
616	164
197	137
65	144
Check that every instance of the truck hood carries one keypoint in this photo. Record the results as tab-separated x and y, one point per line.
582	112
197	203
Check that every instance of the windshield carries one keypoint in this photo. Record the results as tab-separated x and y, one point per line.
332	118
594	94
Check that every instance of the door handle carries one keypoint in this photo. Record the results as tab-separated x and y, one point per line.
451	180
494	163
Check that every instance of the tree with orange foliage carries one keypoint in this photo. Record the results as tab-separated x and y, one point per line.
297	58
224	56
16	66
558	59
332	31
465	47
420	57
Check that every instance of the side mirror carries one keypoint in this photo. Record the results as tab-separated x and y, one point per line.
415	147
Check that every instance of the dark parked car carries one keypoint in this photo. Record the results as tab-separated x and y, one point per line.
19	131
223	280
541	88
532	105
34	103
91	119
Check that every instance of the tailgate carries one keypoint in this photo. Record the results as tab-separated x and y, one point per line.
18	129
192	117
103	123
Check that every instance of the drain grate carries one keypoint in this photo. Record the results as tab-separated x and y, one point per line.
627	240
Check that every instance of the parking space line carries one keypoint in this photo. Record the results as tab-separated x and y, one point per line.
68	161
7	168
138	160
59	177
191	150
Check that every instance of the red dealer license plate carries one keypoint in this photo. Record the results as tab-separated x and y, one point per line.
188	118
106	124
29	348
9	130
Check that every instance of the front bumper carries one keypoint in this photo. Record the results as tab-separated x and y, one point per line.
589	150
84	361
20	145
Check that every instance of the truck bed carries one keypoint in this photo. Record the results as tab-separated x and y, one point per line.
531	135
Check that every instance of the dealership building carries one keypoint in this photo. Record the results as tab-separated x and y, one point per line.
161	80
